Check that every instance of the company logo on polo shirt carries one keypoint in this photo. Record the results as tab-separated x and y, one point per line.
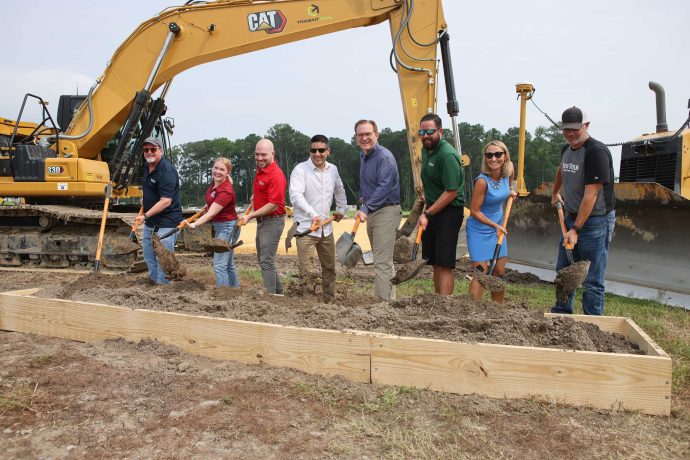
431	164
271	22
152	180
570	167
261	182
213	194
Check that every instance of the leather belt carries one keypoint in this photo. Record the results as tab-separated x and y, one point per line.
272	216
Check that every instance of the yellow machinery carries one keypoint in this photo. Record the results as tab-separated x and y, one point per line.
649	255
97	139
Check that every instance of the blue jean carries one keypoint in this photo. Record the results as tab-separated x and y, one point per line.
223	262
593	245
156	273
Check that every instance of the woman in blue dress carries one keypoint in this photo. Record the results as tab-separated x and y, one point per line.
491	189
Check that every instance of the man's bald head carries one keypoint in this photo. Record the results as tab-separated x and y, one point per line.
264	153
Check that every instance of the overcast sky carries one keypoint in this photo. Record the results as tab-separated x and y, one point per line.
599	55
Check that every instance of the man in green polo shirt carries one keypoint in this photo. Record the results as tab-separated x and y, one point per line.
444	191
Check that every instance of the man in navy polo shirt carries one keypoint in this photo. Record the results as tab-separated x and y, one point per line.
162	208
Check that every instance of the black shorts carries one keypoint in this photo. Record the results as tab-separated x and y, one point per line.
440	239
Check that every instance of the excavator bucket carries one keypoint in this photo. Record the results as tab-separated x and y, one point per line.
650	244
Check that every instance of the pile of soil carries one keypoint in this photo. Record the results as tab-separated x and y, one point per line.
455	318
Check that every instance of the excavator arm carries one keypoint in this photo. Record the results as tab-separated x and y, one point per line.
182	37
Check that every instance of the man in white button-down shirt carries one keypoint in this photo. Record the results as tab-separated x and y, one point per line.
313	185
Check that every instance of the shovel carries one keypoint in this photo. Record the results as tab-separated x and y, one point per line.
133	233
488	281
574	274
347	250
224	245
313	228
183	224
411	269
99	247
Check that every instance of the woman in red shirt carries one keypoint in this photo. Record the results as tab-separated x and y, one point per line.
220	202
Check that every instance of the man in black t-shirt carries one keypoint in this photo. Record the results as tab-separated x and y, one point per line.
162	208
585	178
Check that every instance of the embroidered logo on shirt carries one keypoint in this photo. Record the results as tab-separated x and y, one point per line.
153	181
431	164
213	194
570	167
262	182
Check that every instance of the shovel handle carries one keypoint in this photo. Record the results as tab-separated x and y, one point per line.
354	228
246	213
418	239
136	222
318	225
509	206
564	230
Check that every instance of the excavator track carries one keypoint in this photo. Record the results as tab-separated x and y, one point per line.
54	236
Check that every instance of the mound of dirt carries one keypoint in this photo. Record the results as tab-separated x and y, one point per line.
456	318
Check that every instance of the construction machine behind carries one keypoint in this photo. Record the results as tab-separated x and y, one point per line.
60	168
649	255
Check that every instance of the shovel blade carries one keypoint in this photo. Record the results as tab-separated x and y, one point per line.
408	271
343	246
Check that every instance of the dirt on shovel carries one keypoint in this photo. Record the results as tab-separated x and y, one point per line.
490	283
403	249
570	278
173	269
408	271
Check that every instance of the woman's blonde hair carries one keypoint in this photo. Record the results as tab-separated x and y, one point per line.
227	164
507	169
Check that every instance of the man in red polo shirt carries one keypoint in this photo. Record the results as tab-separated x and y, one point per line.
269	212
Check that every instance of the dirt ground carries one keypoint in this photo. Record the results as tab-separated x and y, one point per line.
63	399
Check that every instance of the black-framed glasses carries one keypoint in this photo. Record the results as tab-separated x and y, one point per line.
320	150
489	155
427	132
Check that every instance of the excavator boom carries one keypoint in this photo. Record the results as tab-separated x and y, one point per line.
101	143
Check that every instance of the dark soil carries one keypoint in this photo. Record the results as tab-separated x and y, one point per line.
570	278
456	318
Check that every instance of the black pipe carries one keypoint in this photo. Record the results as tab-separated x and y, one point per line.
661	125
453	106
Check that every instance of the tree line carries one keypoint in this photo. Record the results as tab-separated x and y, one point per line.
194	160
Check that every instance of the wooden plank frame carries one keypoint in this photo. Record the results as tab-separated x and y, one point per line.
611	381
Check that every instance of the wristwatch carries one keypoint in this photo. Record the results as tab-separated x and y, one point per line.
576	228
427	214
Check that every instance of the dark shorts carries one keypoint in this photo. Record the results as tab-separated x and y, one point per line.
440	239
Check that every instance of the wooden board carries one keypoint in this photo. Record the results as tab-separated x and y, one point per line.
601	380
313	351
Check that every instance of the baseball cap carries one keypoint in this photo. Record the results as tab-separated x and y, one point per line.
573	118
154	141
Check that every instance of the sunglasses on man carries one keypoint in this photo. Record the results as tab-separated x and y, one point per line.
320	150
427	132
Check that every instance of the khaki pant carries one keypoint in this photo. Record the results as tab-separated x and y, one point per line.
325	248
381	227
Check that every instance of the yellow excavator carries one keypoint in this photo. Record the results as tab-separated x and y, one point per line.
60	167
649	255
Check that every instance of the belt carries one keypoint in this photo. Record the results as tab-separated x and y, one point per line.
272	216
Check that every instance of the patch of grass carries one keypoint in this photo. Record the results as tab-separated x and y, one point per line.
18	397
